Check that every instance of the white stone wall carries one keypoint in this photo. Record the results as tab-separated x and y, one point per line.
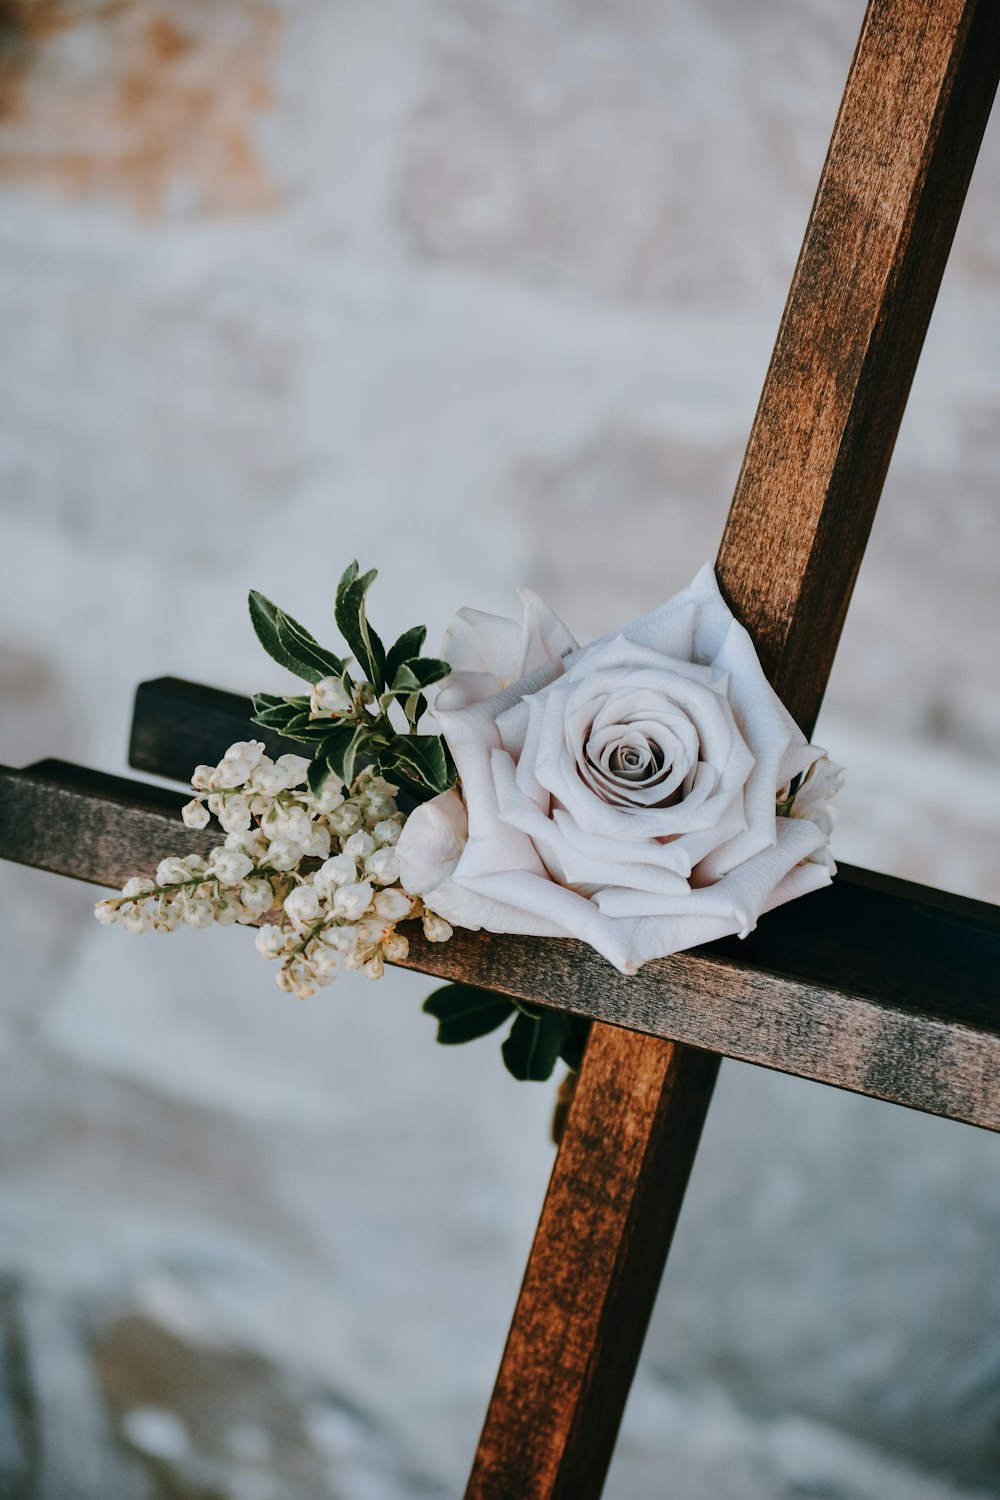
482	293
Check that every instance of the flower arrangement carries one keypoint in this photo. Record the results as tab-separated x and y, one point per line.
645	794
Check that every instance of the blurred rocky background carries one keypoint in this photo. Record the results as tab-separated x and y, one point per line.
481	291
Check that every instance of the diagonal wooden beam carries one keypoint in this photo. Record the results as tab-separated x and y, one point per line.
906	139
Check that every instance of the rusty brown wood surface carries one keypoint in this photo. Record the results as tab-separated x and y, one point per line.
911	121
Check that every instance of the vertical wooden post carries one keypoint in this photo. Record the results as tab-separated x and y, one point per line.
903	148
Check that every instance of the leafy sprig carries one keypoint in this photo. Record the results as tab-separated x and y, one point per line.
361	729
536	1041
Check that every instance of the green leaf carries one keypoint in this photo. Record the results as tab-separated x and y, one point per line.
352	622
289	643
534	1044
279	712
340	748
422	759
410	643
464	1012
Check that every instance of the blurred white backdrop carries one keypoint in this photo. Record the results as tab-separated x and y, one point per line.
482	293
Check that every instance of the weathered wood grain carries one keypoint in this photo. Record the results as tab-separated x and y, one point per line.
178	725
902	152
874	985
614	1198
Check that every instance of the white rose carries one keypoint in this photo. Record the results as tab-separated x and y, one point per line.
488	653
626	795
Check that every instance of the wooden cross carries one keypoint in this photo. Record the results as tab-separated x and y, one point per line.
878	986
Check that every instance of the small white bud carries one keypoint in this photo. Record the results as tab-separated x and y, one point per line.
136	919
352	901
201	781
272	941
345	819
375	967
106	912
229	866
340	870
292	823
199	914
329	696
344	939
257	895
195	814
234	814
436	929
393	905
386	832
282	854
302	906
295	768
171	872
395	947
359	845
231	771
268	779
317	845
382	866
137	886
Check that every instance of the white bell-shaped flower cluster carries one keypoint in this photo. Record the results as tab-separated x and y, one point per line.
323	867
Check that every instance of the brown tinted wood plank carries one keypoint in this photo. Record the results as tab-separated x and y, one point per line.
614	1199
875	985
900	159
902	153
178	725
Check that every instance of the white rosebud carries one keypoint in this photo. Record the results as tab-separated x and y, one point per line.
395	947
257	895
295	768
386	832
359	845
375	967
317	845
201	781
106	912
234	815
137	886
282	854
195	814
198	914
393	905
436	929
229	866
340	870
171	872
330	696
271	941
382	866
302	906
345	819
352	901
136	919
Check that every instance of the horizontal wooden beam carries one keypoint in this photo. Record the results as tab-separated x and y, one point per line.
875	985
